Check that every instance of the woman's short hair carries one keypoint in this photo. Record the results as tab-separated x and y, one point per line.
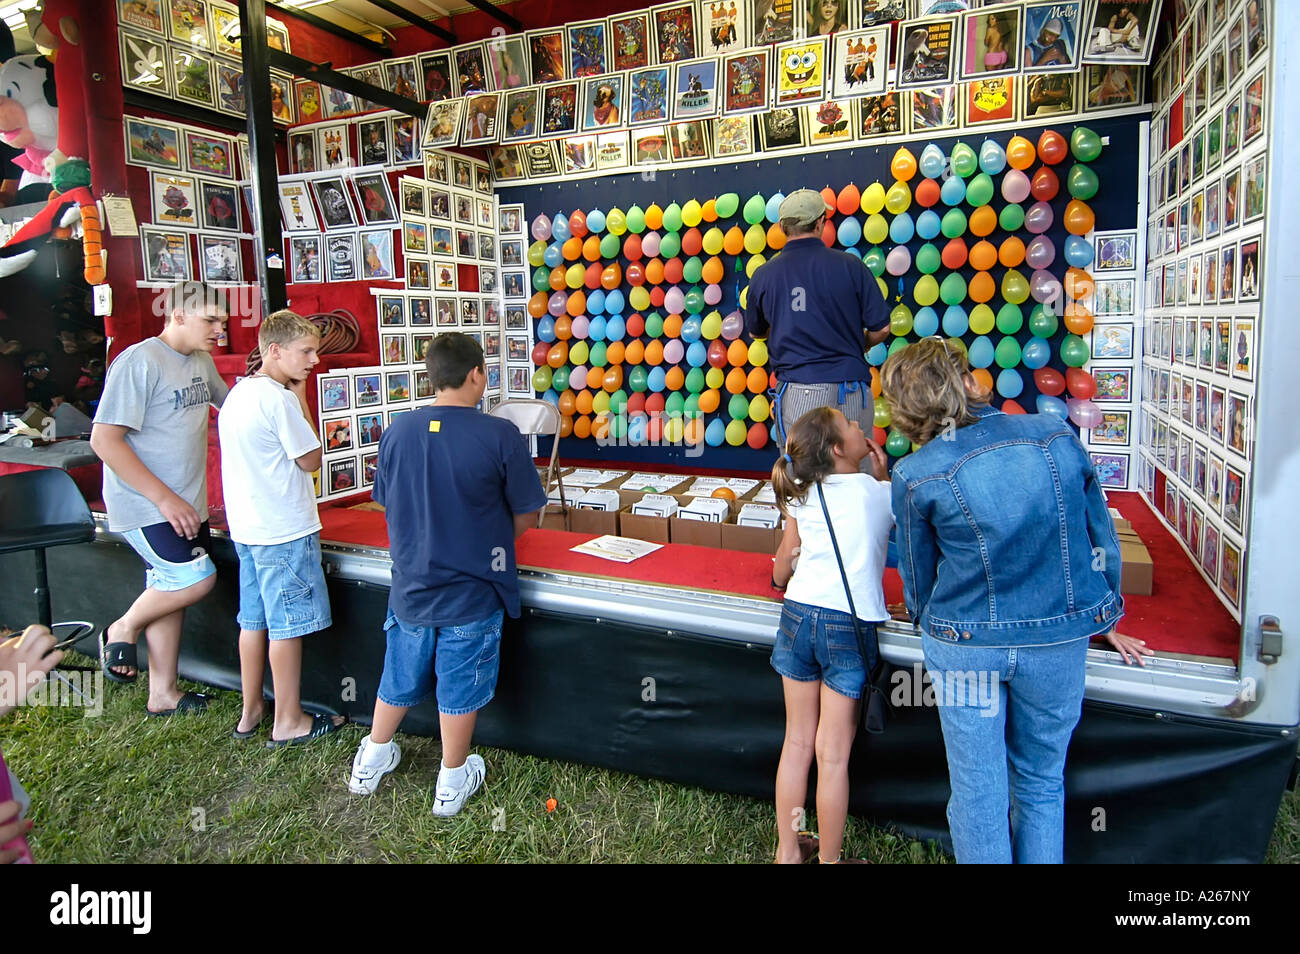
925	385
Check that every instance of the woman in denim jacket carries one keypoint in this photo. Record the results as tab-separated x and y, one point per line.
1010	563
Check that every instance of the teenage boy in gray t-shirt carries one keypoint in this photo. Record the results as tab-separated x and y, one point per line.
151	431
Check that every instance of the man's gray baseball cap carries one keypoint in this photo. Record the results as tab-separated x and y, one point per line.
804	206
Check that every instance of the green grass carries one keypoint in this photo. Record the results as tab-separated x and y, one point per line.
124	788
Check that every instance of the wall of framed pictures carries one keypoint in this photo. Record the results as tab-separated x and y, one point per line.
1205	239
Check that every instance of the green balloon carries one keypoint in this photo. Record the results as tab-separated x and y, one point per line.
980	190
1010	319
618	401
1081	182
675	404
654	324
1085	144
542	378
692	270
695	381
755	209
609	245
541	278
928	259
727	205
670	245
1042	322
692	404
597	358
896	444
635	219
900	320
1011	217
537	254
953	224
1074	351
896	346
874	260
638	378
738	407
963	160
560	379
953	289
694	301
617	422
673	217
1007	354
1015	288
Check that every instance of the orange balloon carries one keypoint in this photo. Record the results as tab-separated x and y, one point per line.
1078	284
591	248
557	279
613	378
737	353
600	431
577	303
954	254
828	196
654	271
709	400
982	221
675	378
736	381
558	354
927	193
981	288
654	352
634	353
903	165
849	200
1079	218
776	237
615	352
565	403
756	382
733	243
673	271
563	329
537	305
713	272
709	211
582	402
984	255
1078	320
566	425
875	382
1012	251
692	241
611	276
572	249
673	326
654	216
983	378
1020	153
694	432
582	426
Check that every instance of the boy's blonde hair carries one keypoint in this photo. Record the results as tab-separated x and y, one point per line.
925	385
282	327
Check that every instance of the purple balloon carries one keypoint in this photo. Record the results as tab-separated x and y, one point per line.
558	302
898	261
541	228
674	301
1040	252
1015	186
581	326
578	378
1044	287
712	294
1084	413
650	244
733	325
674	351
1039	218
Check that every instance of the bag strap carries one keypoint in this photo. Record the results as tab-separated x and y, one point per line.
848	590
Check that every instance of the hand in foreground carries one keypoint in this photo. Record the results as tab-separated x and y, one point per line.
24	661
183	518
1130	648
879	462
11	827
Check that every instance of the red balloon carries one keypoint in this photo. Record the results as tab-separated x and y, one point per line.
632	247
1012	407
879	435
578	223
657	297
654	429
771	381
634	274
635	403
692	241
1045	184
673	271
635	325
927	193
1049	381
1052	147
756	437
828	233
954	254
654	405
1081	383
540	351
717	353
592	276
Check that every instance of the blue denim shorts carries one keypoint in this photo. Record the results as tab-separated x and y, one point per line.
814	643
282	588
465	660
171	562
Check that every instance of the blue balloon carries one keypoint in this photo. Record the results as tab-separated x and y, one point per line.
928	224
1078	251
614	302
925	322
560	230
849	232
596	301
691	329
716	433
773	210
615	329
1035	353
877	355
932	162
553	255
596	221
953	191
546	329
550	397
1053	406
980	351
1010	384
955	321
901	229
655	379
993	159
596	328
697	355
637	425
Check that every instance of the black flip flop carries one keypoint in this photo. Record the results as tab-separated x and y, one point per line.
190	702
236	734
322	724
117	654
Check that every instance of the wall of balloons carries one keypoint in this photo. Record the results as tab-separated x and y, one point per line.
638	285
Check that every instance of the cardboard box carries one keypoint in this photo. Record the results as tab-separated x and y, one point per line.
555	519
643	527
750	539
597	522
696	533
1138	569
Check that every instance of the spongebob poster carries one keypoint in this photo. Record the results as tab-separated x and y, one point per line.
801	71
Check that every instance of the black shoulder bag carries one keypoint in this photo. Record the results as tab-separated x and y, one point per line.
875	707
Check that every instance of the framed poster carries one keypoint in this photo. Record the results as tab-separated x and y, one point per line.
647	95
540	159
341	257
406	139
370	427
933	108
1051	38
861	62
780	128
336	433
435	70
547	59
876	12
442	124
192	77
879	116
825	17
307	100
166	255
828	122
220	204
991	100
377	254
1253	188
926	57
373	137
471	69
392	311
366	390
444	310
588	48
1249	263
674	33
746	82
376	199
560	109
335	206
415	236
992	47
1234	504
1112	342
774	22
481	118
305	258
444	275
440	240
418	277
335	394
507	164
145	15
392	349
1046	95
187	22
602	102
277	36
629	40
175	199
1113	429
801	70
1114	384
296	208
649	146
521	109
733	136
1122	32
151	142
695	89
1112	86
612	151
724	27
1112	470
230	89
1242	354
689	141
209	154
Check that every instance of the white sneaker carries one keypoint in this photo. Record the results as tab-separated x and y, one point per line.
448	799
371	764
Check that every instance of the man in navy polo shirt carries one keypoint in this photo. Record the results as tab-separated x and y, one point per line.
821	310
457	487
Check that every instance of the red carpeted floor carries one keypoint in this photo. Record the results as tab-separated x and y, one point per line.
1181	616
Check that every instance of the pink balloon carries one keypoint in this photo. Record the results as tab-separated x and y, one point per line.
1044	287
581	325
712	294
541	228
558	302
674	351
1039	218
650	244
898	261
1015	186
1040	252
733	325
578	377
1084	413
674	301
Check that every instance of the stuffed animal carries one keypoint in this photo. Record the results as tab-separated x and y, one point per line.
29	114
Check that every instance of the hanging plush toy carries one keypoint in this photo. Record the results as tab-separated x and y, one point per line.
29	114
68	163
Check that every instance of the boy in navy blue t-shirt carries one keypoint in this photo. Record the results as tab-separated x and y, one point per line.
458	487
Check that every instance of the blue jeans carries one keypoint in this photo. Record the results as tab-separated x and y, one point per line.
282	588
465	660
813	642
1007	717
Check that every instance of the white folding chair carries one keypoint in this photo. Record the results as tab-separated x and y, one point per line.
535	417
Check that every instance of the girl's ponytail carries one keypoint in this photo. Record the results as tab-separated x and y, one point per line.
808	457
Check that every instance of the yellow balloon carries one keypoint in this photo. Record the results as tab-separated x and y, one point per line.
758	355
877	229
884	289
714	378
982	319
575	275
711	326
692	214
759	408
744	296
926	290
753	264
713	241
873	198
736	432
674	430
755	239
600	403
616	221
898	198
